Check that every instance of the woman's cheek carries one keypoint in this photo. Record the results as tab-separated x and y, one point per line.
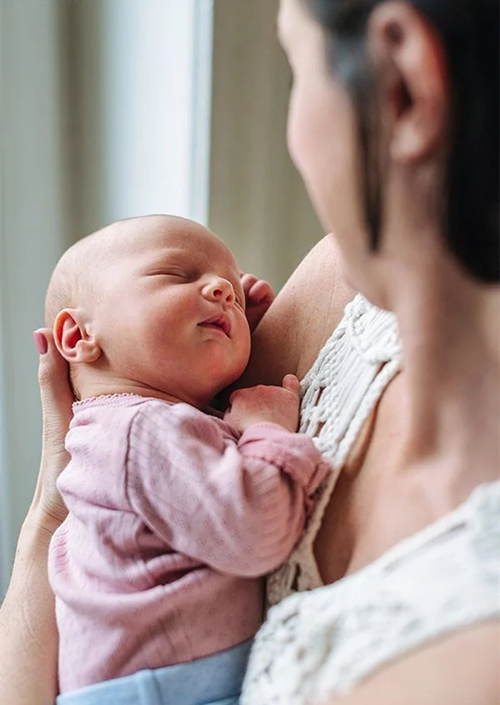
293	133
306	146
301	139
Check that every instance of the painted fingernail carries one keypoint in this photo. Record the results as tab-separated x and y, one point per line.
40	342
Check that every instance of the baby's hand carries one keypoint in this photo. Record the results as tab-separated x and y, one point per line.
279	405
259	295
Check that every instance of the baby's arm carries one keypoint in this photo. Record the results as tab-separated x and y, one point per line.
238	507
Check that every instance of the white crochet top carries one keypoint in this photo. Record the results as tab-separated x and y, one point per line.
322	640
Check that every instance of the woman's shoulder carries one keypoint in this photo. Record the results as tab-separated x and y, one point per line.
435	583
302	317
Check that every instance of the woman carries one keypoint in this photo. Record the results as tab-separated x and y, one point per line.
394	127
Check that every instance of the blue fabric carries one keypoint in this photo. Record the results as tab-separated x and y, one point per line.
214	680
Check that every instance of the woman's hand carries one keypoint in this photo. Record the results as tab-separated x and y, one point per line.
29	640
57	398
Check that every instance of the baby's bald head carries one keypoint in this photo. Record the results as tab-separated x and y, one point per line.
77	276
73	277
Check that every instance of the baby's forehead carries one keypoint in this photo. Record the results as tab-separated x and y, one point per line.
195	243
153	241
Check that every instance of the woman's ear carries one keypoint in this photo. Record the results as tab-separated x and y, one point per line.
73	338
414	84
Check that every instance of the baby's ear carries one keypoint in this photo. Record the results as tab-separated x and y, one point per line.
73	338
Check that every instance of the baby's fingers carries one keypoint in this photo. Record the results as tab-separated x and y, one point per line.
261	291
247	281
291	383
256	290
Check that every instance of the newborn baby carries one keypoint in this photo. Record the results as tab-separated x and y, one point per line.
175	514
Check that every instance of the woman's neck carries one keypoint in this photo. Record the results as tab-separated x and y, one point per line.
449	328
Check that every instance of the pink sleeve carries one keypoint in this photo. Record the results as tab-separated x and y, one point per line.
239	507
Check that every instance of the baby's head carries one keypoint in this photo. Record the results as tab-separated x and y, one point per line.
152	306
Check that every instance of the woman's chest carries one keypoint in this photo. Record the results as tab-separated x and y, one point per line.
375	502
363	523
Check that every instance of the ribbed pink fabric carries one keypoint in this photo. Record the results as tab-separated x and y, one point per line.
172	521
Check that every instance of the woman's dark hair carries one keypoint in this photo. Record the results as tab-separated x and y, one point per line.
469	30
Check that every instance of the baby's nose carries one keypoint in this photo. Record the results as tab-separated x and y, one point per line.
220	288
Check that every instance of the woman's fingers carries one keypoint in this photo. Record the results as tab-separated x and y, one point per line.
57	399
55	391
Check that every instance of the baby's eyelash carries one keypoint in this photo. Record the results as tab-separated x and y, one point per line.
177	273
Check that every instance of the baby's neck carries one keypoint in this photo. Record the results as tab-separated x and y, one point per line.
87	387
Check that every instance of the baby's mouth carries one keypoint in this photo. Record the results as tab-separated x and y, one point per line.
219	322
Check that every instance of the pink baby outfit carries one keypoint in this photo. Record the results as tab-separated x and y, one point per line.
172	520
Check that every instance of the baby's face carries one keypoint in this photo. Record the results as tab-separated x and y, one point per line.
171	312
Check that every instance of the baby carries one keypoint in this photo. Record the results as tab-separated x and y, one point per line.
174	513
